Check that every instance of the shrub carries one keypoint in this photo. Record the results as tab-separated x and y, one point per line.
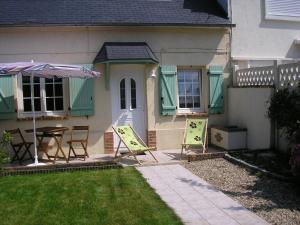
5	139
295	160
284	109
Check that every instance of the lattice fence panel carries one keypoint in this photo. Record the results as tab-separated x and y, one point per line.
258	76
289	75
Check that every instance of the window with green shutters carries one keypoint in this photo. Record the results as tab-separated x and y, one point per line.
216	90
81	96
168	93
7	102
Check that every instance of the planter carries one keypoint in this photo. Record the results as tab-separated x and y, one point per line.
229	138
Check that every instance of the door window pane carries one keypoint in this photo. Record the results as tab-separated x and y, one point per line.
122	94
133	93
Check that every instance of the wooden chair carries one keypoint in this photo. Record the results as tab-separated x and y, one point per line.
76	143
132	141
19	144
195	134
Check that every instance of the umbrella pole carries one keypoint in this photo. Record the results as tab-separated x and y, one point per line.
36	162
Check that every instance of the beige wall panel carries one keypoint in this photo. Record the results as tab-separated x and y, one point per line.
248	108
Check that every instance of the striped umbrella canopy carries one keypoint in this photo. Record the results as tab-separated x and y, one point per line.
47	70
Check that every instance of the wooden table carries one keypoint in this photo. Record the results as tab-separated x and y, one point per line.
56	133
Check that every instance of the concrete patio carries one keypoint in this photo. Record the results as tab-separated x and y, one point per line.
169	156
195	201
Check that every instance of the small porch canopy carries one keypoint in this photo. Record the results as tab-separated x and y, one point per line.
124	53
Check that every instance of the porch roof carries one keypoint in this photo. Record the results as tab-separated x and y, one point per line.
120	52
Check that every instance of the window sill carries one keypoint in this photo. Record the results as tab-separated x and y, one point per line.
43	118
192	114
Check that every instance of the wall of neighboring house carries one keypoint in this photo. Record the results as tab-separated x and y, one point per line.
257	40
185	47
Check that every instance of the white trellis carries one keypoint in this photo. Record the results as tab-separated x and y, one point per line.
275	76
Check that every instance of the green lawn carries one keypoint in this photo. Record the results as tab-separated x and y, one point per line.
115	196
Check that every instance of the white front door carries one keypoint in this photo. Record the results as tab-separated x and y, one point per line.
128	98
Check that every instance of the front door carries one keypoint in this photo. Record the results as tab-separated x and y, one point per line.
128	98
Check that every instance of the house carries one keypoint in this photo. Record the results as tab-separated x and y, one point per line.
265	44
161	62
267	30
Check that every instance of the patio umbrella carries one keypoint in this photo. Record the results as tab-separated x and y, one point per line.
45	70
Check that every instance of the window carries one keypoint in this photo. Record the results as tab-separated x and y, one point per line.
189	90
283	10
48	95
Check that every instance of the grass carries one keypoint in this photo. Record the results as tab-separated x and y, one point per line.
111	197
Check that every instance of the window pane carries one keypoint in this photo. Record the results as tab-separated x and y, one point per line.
195	76
59	104
49	104
58	80
25	80
189	102
36	80
58	90
181	90
188	77
27	105
188	88
196	90
37	104
37	90
196	102
182	102
49	80
49	90
180	77
26	91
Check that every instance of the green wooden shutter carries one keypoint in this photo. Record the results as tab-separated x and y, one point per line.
168	89
216	90
7	103
81	96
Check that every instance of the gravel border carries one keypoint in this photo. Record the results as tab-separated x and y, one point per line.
276	201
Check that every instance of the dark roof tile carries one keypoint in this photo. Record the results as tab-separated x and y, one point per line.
112	12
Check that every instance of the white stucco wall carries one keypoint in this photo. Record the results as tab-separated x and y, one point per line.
255	37
247	108
187	47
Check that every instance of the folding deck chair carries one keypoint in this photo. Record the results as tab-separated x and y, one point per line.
19	144
195	134
132	141
81	143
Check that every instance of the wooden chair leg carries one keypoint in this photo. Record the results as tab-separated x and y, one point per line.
181	151
118	149
85	150
152	155
136	159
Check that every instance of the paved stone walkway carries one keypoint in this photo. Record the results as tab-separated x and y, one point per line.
195	201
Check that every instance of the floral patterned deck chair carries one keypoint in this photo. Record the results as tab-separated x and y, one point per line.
195	134
132	141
